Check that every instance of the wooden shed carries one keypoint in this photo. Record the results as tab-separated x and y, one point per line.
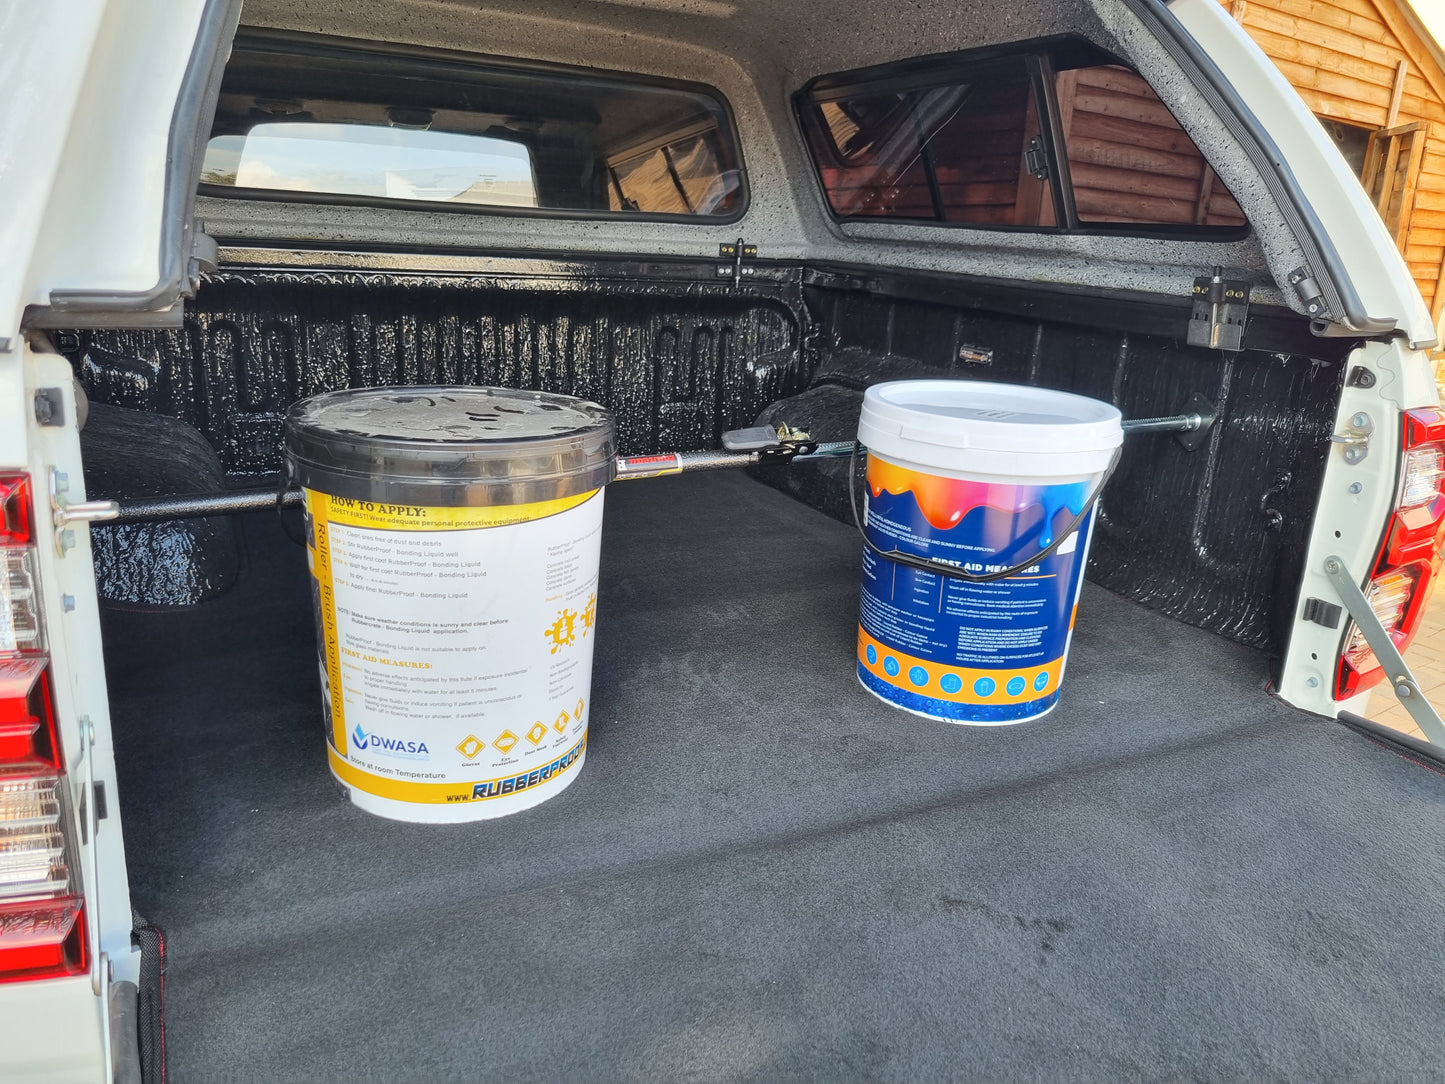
1376	78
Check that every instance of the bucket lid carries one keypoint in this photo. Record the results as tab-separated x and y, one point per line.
996	429
450	445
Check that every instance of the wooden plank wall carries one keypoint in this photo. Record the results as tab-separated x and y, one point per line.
1343	57
1129	159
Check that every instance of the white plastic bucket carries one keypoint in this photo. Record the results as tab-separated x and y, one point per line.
453	540
979	476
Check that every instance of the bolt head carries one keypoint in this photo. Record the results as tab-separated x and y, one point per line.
1357	487
1402	691
1313	682
1360	420
67	539
67	603
62	482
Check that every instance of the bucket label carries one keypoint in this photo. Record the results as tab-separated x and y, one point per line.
959	650
456	645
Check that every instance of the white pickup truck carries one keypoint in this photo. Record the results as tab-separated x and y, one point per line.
705	213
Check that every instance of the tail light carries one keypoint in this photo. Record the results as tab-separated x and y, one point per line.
41	933
27	718
20	629
42	923
1409	557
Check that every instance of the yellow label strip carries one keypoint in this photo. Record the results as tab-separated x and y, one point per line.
320	561
380	516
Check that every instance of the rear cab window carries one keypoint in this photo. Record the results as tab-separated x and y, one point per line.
328	120
1056	135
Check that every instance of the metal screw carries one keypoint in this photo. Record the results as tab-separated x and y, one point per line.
1354	453
1313	683
67	603
62	482
1403	691
1357	487
1360	420
1331	565
67	540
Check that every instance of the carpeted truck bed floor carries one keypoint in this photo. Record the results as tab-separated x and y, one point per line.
762	872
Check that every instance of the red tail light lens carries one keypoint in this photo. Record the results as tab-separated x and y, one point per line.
16	508
41	927
1420	484
42	920
42	940
27	716
1389	596
20	627
1409	557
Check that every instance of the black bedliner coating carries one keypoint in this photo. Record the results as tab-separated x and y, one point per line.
138	454
1213	538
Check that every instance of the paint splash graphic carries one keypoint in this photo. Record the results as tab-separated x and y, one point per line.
944	502
563	631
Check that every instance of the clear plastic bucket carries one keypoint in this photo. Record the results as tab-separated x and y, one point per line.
453	536
978	476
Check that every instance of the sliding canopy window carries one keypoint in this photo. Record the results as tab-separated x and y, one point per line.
1060	135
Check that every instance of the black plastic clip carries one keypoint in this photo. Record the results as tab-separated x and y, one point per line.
49	406
1323	613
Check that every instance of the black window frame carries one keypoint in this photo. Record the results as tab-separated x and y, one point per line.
396	57
1042	59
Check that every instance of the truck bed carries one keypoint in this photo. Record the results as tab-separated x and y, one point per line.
764	873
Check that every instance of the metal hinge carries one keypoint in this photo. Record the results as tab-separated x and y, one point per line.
1220	308
735	252
1402	681
205	257
1035	160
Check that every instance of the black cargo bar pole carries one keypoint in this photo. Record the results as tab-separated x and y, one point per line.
629	468
217	504
151	509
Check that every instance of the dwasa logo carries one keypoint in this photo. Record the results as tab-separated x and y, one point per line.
394	747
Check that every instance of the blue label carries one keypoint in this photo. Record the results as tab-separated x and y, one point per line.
1015	629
